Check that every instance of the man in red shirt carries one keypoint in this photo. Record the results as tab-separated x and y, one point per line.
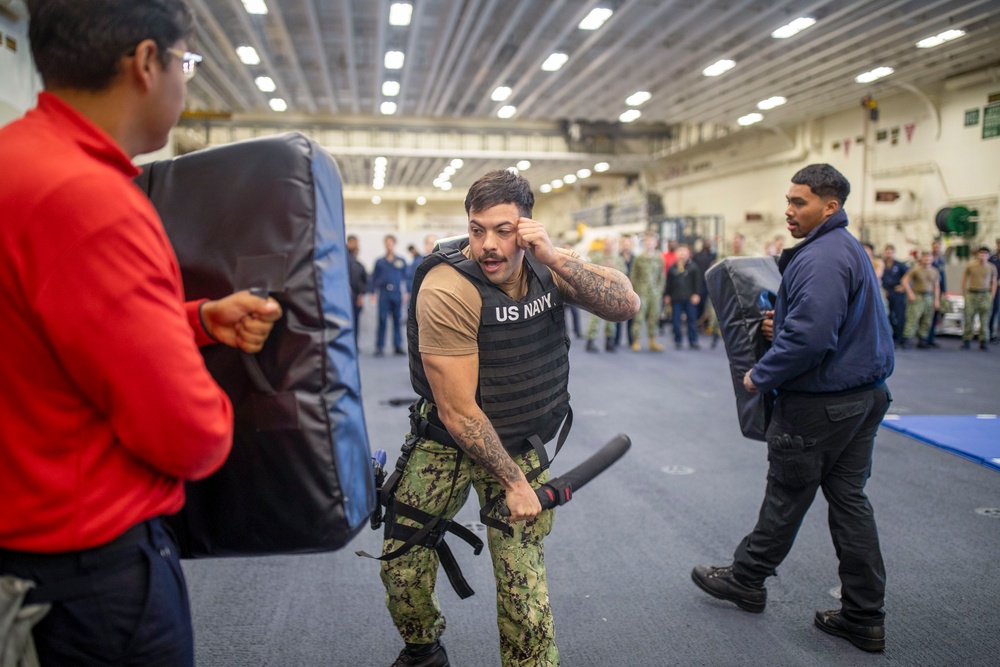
108	405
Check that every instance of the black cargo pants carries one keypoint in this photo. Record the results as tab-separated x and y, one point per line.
822	441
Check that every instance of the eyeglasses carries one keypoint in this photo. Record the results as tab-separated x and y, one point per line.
189	62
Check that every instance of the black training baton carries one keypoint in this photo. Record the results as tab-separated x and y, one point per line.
560	490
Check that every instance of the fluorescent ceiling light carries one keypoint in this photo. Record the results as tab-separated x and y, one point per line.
939	39
629	115
457	163
266	84
248	55
507	111
554	62
583	173
376	200
381	161
438	182
718	67
501	94
387	108
771	102
523	165
569	179
601	166
446	186
378	185
443	176
556	184
450	170
278	104
421	201
513	170
595	19
750	119
255	6
390	88
545	188
874	74
400	13
793	28
394	59
635	99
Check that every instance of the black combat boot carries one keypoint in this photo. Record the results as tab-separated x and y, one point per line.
720	582
866	638
422	655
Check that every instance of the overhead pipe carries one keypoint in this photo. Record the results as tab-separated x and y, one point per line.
798	153
16	8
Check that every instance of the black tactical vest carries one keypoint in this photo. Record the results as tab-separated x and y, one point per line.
523	351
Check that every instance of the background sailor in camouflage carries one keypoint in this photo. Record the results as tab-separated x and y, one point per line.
979	284
524	615
922	284
647	278
606	256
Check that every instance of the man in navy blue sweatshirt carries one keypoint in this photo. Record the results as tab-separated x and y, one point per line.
831	352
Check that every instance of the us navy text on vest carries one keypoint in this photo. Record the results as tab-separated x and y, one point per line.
518	312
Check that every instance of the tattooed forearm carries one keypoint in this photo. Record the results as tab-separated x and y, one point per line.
604	291
480	441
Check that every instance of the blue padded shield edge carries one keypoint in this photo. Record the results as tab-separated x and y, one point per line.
342	395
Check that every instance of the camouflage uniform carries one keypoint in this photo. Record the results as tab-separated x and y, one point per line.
524	615
615	262
647	278
920	311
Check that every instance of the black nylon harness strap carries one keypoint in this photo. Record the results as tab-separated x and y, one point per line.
433	528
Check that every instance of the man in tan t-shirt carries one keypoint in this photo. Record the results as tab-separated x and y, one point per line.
979	284
497	304
922	285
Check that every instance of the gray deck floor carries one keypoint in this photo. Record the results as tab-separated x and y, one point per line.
620	555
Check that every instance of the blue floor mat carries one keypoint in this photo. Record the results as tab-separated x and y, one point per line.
975	437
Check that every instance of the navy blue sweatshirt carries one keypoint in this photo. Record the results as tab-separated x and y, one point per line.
831	332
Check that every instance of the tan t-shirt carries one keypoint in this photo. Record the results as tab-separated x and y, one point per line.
449	307
923	279
979	277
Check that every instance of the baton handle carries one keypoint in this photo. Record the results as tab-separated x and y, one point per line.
560	490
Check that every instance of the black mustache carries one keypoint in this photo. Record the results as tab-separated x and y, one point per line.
483	258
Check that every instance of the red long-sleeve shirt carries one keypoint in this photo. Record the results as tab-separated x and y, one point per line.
107	405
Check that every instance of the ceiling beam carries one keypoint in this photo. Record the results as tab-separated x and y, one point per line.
491	58
326	79
347	27
528	46
288	49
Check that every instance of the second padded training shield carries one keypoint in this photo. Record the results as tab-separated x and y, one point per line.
267	214
742	290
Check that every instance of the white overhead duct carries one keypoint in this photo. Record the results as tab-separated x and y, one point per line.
969	79
15	8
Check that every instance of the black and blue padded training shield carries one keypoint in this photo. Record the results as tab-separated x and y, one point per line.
268	215
742	290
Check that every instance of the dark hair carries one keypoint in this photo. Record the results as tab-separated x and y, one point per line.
983	248
78	43
499	187
824	181
869	246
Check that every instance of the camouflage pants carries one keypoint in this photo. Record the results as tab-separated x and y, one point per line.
595	322
977	303
524	616
919	313
649	312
